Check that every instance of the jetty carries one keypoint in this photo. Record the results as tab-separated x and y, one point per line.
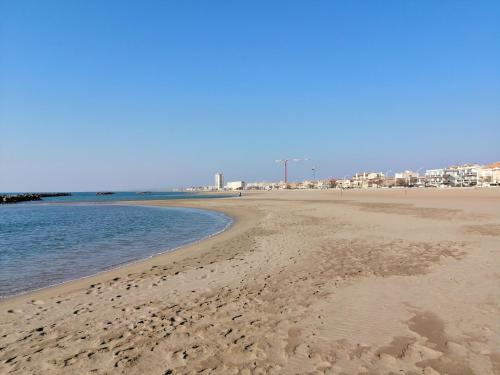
28	197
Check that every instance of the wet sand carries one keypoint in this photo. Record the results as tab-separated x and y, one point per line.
367	282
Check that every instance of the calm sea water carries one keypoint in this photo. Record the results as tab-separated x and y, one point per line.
46	244
127	196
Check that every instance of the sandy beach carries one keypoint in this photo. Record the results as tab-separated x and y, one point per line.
387	281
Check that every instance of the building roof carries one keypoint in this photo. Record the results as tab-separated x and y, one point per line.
494	165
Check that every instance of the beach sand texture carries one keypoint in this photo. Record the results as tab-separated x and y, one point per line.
304	282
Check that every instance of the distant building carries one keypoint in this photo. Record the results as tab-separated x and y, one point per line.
199	188
389	181
406	178
458	176
462	175
235	185
294	185
367	179
435	177
343	183
489	175
308	184
219	181
326	184
261	185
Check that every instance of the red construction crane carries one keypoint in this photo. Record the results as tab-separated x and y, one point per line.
285	163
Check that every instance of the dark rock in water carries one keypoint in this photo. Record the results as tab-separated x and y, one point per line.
16	198
144	192
104	193
19	198
47	195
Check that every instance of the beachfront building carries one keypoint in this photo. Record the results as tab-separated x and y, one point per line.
406	178
282	185
235	185
462	175
360	180
489	175
495	173
343	183
367	179
261	185
458	176
435	177
318	184
200	188
421	181
326	184
307	184
389	181
219	181
294	185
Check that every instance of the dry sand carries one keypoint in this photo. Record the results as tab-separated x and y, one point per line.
370	282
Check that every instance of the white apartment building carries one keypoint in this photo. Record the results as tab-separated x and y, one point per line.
261	185
219	181
325	184
367	179
462	175
489	175
235	185
406	178
435	177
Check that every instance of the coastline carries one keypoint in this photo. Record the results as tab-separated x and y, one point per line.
70	286
302	282
125	263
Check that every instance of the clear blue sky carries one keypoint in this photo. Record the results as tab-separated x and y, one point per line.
156	94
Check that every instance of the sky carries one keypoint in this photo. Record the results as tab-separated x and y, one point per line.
127	95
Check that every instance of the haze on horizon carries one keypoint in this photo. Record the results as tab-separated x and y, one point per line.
133	95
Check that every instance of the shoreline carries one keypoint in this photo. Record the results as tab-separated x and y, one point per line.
126	263
117	271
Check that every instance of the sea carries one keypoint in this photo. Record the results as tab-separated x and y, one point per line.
59	239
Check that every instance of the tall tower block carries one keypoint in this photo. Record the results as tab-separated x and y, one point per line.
219	181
